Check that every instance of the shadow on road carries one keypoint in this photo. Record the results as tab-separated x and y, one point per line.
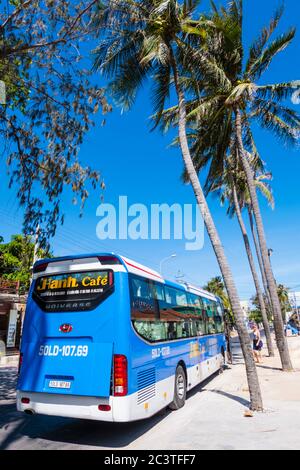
76	432
261	366
56	432
236	398
62	431
8	383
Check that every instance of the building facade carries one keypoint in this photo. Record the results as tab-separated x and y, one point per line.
245	304
12	311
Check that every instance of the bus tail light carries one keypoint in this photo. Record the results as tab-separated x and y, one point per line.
120	375
20	363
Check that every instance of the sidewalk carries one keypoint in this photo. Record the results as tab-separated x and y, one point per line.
275	384
213	417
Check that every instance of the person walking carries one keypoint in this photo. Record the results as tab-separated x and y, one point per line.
257	344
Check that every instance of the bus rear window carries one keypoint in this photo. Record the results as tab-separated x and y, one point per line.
73	291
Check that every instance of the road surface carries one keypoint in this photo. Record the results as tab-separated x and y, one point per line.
213	418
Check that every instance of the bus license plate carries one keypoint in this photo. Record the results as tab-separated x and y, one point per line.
59	384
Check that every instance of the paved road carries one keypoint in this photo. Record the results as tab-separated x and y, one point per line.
19	431
213	418
46	432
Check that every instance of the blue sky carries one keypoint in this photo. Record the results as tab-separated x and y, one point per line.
137	163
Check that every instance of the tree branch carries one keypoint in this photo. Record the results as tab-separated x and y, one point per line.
15	13
27	47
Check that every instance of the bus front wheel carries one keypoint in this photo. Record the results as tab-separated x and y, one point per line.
179	389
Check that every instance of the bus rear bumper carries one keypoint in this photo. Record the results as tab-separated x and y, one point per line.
121	409
69	406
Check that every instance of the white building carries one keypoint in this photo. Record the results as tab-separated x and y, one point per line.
294	298
245	304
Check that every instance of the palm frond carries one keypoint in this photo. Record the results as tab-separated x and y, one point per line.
235	9
115	51
203	108
260	65
240	91
189	7
258	46
127	81
277	117
278	91
280	120
266	191
205	65
152	50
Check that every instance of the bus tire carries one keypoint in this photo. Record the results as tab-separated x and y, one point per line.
179	389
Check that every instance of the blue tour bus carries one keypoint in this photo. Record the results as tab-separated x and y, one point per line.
109	339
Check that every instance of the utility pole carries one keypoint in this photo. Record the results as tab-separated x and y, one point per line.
179	277
165	259
296	306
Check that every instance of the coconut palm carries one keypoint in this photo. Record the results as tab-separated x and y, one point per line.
233	189
258	255
146	39
226	99
283	295
264	188
216	286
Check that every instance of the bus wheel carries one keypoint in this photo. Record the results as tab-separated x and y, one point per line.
179	389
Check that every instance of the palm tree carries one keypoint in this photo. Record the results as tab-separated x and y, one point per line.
233	188
216	286
258	255
226	99
283	295
146	39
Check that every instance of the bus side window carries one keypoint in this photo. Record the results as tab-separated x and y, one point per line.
157	331
211	329
174	311
159	291
143	306
196	313
186	324
145	298
219	319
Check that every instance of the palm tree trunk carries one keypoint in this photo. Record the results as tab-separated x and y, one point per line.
254	273
258	255
251	372
278	322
